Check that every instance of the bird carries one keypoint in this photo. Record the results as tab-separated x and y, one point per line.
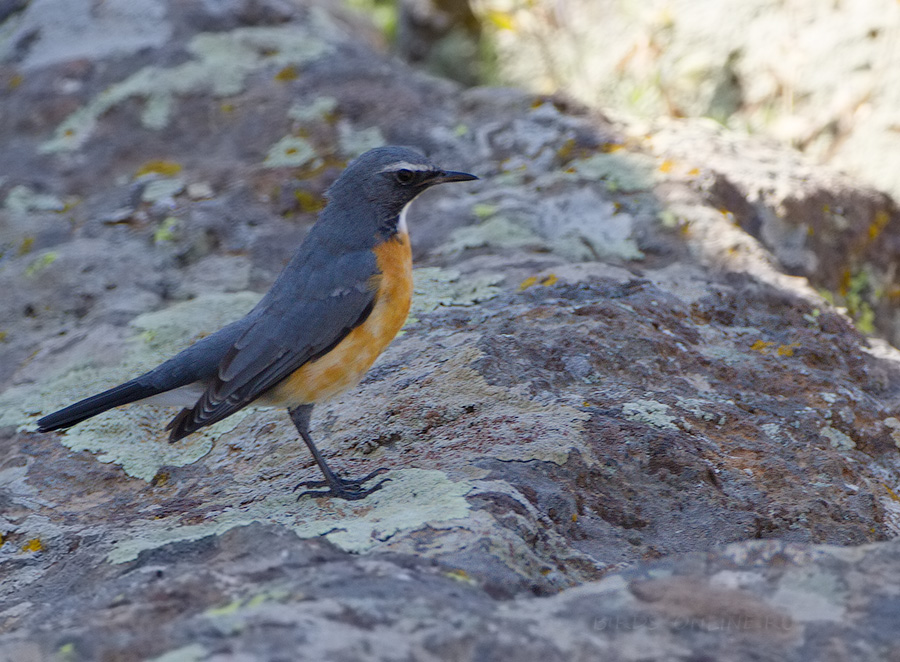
331	312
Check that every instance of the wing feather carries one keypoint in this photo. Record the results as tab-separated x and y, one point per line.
295	324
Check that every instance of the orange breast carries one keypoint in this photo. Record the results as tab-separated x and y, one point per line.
348	362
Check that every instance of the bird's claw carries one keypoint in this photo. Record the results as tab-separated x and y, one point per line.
350	489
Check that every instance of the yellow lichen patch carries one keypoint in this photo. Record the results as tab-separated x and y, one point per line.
501	20
549	279
167	230
567	151
666	166
844	285
528	282
159	167
878	223
459	575
15	81
26	245
225	610
574	517
762	346
33	545
287	74
484	211
693	172
39	264
787	350
891	493
766	346
309	202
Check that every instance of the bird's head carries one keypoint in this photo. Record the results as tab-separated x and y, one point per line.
380	184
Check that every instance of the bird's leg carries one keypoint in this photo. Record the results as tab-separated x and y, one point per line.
344	488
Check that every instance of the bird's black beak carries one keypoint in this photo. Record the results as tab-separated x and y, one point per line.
451	176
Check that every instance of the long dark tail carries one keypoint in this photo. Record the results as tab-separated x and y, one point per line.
97	404
199	362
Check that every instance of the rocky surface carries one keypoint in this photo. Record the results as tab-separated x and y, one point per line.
620	422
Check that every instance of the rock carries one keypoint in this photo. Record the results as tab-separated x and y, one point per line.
620	422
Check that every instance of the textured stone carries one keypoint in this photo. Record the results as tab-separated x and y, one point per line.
617	425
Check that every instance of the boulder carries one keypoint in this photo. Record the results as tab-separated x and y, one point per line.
622	422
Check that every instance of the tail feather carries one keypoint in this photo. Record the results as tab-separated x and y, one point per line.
178	426
197	363
96	404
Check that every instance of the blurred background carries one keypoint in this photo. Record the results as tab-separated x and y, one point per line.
820	75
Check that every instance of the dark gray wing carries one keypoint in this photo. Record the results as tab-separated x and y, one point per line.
314	304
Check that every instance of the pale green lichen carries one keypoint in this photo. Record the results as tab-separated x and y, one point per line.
235	606
837	439
321	108
40	263
167	230
621	170
132	437
174	328
495	232
484	211
162	189
220	65
583	225
352	141
699	408
21	200
435	287
136	440
157	111
649	412
411	499
66	652
291	152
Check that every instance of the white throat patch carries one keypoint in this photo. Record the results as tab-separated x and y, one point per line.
402	228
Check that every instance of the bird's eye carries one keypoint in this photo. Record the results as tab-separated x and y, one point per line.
405	177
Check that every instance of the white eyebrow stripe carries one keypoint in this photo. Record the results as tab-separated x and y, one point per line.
406	165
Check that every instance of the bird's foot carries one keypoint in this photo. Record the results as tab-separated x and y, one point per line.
350	489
